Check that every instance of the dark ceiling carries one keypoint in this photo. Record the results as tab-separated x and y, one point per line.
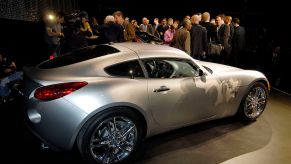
251	11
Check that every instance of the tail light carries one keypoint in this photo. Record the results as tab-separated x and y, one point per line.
52	57
56	91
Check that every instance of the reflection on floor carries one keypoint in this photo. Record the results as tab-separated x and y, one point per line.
268	140
278	149
212	142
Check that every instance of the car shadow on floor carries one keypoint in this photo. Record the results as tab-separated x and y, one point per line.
20	145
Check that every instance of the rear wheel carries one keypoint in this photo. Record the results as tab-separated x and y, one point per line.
254	102
111	137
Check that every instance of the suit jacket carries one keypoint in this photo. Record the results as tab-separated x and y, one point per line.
238	40
149	28
111	32
158	29
198	40
128	32
181	40
211	30
223	36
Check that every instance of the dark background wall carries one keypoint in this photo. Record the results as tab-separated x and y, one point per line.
20	34
265	22
258	17
30	10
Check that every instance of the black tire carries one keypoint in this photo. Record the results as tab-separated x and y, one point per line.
111	126
254	102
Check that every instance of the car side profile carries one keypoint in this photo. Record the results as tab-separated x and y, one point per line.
106	99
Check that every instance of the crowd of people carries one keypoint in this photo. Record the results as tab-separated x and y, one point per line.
221	39
73	31
195	34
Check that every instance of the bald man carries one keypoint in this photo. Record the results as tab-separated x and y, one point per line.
198	38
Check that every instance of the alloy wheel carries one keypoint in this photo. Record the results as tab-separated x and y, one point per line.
255	102
113	140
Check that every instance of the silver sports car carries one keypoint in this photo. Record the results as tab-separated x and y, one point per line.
106	99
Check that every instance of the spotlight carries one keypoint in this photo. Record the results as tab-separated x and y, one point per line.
51	17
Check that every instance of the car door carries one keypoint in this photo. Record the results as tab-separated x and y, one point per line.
177	94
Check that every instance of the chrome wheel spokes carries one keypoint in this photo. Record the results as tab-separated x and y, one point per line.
255	102
113	140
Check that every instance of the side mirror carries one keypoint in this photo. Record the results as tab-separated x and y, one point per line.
200	72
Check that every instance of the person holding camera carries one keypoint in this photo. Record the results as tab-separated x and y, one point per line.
55	32
75	38
8	75
85	27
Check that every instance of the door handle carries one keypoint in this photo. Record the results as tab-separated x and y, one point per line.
161	89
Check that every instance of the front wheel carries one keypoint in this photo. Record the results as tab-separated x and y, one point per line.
254	102
111	137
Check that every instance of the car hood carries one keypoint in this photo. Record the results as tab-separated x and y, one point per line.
217	68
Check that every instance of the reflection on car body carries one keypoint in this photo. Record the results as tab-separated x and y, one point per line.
146	37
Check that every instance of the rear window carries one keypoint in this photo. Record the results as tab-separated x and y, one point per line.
79	56
126	69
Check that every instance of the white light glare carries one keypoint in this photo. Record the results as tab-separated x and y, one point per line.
51	17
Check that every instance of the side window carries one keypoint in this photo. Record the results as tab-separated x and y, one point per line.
126	69
169	68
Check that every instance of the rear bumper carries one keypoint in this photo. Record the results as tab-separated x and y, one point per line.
56	123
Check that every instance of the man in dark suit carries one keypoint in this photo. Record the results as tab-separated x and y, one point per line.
110	31
238	43
223	38
211	30
157	28
146	27
198	39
